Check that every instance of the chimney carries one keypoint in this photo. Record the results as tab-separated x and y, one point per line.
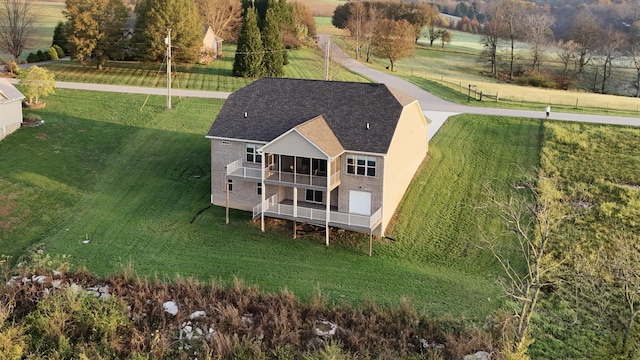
245	114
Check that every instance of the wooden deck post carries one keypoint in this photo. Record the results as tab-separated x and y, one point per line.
370	242
295	229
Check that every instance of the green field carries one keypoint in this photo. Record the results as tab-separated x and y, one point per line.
131	181
305	63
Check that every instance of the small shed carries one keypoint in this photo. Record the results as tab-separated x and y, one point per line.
10	108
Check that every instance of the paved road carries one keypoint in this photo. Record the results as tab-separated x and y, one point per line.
439	110
137	90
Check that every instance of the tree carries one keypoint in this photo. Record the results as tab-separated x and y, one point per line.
249	53
373	18
37	82
510	15
223	16
433	20
585	31
60	37
273	59
154	17
355	24
609	48
492	31
17	20
532	218
94	28
568	54
303	20
445	36
635	60
393	40
537	30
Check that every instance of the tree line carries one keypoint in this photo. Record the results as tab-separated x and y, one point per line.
388	29
103	30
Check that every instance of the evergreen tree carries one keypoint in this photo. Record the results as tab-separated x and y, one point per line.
60	38
249	54
154	17
274	49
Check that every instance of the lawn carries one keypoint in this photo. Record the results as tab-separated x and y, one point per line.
132	180
306	63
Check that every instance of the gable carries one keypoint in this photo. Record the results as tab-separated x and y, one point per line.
294	144
8	92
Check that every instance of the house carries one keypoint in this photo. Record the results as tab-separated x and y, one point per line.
330	153
212	42
10	108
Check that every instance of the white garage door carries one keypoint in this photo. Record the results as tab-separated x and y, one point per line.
359	202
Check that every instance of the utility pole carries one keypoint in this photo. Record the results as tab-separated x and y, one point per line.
327	59
167	41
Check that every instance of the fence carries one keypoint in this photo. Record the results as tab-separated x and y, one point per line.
569	100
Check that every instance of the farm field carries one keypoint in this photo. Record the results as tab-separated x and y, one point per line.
131	181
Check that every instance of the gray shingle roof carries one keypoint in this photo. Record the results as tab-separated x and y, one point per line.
275	105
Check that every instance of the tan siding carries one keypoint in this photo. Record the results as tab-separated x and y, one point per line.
360	183
11	117
408	149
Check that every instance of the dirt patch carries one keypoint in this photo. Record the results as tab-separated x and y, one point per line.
42	136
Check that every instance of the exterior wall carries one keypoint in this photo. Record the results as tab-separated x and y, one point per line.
407	151
372	184
244	195
11	117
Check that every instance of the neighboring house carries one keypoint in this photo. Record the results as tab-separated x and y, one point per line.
211	42
10	108
301	149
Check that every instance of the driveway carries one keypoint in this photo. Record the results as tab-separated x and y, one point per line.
439	110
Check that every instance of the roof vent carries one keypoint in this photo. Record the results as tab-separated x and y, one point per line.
368	126
245	114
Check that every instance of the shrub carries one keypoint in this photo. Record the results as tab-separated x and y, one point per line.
12	67
53	54
531	78
30	117
43	56
59	51
31	58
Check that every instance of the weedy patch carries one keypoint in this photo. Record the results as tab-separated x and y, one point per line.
128	317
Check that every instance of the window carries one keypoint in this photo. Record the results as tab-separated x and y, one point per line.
230	185
259	188
313	196
361	165
252	153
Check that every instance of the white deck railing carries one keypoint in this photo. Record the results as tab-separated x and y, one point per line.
273	207
236	169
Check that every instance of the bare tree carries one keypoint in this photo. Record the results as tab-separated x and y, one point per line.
635	59
537	30
373	18
609	47
432	22
223	16
17	31
533	218
568	54
511	16
393	40
584	33
356	26
492	30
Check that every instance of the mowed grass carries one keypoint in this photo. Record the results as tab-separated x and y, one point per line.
132	180
49	13
306	63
